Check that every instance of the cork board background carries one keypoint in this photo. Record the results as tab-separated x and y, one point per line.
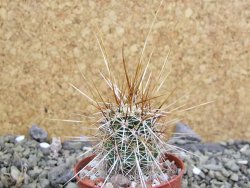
42	42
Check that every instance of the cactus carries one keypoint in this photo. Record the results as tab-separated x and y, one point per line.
130	139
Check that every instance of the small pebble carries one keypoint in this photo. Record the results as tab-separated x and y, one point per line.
244	148
19	139
219	176
243	162
234	177
225	172
196	171
44	145
38	133
232	165
212	167
15	173
71	185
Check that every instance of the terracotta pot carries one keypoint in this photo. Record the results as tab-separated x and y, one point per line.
173	183
176	181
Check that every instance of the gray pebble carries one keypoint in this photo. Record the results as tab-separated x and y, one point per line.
225	172
4	181
195	185
60	174
18	149
248	184
33	159
211	173
226	185
3	170
26	152
44	183
32	144
203	185
248	171
234	177
38	133
212	167
184	183
232	166
216	183
31	185
219	176
35	172
71	185
15	173
71	160
52	163
9	139
43	174
204	147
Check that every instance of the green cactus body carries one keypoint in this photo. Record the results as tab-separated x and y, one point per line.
129	141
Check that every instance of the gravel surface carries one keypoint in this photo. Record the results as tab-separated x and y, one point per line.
226	168
24	163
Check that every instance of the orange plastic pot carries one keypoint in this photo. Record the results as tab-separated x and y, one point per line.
173	183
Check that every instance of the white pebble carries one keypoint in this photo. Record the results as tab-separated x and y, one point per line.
196	171
87	148
244	162
44	145
20	138
244	148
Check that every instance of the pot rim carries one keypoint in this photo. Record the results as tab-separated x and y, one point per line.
180	164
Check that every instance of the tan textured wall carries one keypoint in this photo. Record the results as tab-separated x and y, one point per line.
209	42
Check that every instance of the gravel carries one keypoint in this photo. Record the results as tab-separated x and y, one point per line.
220	169
24	164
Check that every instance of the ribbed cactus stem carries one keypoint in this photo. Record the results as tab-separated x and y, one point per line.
130	139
